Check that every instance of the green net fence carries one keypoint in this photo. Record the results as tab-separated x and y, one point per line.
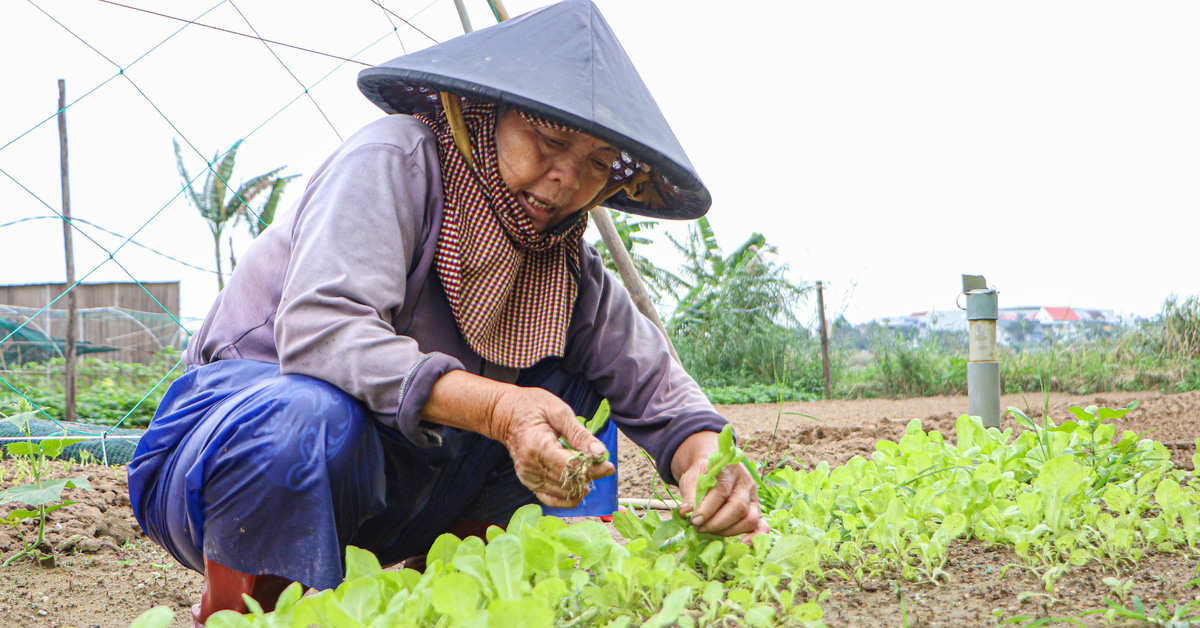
212	79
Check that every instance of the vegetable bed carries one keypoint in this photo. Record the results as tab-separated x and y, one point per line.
1060	497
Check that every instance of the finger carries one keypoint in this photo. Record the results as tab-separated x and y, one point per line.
736	509
746	524
715	498
601	470
551	488
576	434
762	528
558	502
687	487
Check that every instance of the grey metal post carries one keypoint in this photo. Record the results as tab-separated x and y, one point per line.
462	16
983	367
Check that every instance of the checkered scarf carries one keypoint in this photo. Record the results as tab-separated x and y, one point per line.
508	285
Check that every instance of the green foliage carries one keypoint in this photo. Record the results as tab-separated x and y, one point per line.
1061	496
211	201
799	390
44	495
106	391
660	282
735	320
727	453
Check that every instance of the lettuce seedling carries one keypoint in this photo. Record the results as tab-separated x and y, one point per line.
574	476
726	453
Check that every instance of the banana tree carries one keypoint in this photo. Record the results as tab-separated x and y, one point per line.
257	222
735	317
660	282
210	200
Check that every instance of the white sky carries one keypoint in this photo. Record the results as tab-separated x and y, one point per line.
883	147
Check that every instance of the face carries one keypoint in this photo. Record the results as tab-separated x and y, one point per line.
552	173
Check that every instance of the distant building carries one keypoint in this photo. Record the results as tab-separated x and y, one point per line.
121	321
1014	325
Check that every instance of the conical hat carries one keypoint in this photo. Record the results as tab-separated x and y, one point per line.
563	63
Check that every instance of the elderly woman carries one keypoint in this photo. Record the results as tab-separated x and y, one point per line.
398	356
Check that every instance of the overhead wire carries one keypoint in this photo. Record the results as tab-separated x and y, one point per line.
122	71
289	70
233	32
129	239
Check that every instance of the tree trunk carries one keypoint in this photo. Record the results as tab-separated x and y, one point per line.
217	249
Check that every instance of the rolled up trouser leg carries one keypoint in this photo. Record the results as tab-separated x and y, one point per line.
261	472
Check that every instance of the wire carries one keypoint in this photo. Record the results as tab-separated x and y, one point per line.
410	25
289	71
225	30
55	20
393	25
128	239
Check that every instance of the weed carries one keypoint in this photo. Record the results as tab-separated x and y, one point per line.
1169	614
42	494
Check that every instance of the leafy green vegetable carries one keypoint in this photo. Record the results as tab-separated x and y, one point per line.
726	453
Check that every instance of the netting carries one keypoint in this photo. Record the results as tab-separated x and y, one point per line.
210	78
116	333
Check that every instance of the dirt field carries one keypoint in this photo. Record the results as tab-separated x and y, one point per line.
109	572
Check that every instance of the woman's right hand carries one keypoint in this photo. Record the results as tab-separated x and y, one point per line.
528	421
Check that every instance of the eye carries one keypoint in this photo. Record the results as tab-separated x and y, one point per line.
552	141
600	165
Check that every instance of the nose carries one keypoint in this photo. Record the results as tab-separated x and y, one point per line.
567	170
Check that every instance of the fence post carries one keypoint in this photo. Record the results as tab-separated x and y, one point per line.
69	254
824	340
983	368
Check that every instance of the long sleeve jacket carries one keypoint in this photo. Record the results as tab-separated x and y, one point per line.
343	288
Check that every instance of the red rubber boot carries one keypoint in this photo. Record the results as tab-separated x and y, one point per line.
223	589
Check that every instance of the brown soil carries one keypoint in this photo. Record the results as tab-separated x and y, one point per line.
107	572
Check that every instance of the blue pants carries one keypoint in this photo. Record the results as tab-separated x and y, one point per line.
276	474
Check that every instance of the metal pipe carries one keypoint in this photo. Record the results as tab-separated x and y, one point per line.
983	365
6	439
462	16
649	504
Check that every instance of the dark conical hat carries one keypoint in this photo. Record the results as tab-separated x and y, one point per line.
563	63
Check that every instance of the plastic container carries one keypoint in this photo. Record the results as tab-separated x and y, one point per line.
602	500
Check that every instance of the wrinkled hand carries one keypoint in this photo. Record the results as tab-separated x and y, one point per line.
528	421
730	508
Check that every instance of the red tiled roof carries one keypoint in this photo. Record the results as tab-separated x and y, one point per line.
1061	313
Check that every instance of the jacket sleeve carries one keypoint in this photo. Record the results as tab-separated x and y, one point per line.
356	232
654	401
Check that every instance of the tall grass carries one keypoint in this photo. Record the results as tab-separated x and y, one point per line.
1161	354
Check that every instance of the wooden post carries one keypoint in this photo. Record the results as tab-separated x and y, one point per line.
69	254
629	274
501	12
824	339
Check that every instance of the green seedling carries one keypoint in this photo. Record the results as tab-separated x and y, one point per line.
575	474
1180	615
42	495
902	509
727	453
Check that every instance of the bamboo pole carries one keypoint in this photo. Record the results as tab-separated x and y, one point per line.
68	253
629	274
824	340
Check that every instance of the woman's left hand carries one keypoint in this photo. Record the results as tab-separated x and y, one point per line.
731	507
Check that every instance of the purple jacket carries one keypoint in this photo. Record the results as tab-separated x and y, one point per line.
343	288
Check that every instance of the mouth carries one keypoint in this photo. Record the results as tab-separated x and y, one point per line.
535	207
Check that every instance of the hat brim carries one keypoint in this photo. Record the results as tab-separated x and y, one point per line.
676	194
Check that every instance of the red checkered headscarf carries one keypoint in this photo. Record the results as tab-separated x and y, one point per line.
508	285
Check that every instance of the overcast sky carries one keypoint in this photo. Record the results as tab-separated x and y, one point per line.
883	147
